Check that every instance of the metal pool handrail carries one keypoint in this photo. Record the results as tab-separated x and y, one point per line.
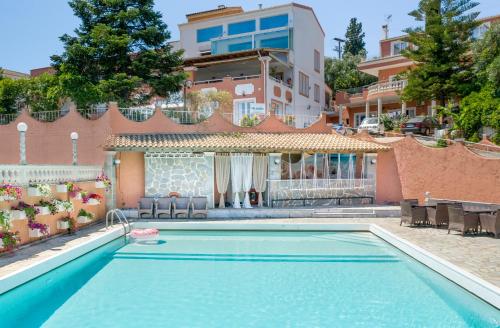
121	218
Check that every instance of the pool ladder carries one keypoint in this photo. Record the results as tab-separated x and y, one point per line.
118	213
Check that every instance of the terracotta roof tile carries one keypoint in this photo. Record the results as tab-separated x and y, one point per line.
242	142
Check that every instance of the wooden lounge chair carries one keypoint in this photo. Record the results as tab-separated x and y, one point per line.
145	206
461	221
438	216
411	214
490	223
164	206
199	207
181	207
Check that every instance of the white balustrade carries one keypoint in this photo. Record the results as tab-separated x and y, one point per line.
322	184
387	86
23	175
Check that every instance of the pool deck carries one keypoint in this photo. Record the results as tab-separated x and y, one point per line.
479	255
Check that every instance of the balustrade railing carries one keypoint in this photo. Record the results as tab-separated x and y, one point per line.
186	116
93	113
8	118
387	86
322	184
49	115
23	175
137	114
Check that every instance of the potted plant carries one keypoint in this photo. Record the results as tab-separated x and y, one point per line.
63	205
37	229
91	198
8	240
10	192
84	217
4	220
103	182
39	190
67	223
46	208
74	191
63	187
23	211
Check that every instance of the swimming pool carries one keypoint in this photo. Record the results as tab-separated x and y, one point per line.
245	279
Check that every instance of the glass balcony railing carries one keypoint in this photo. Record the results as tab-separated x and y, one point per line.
279	39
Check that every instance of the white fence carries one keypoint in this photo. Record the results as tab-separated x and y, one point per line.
323	184
23	175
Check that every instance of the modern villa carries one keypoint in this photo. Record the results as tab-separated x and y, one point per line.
250	209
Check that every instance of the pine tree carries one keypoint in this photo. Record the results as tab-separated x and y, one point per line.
120	52
355	43
441	50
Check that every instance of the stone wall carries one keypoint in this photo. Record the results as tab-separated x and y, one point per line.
187	174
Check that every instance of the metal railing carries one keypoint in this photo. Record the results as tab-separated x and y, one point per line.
93	113
24	175
322	184
387	86
186	116
247	77
137	114
8	118
50	115
298	121
122	219
280	82
208	81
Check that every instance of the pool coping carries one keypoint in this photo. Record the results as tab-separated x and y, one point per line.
475	285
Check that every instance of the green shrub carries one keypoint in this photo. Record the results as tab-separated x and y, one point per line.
441	143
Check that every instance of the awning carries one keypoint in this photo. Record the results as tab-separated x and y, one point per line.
242	142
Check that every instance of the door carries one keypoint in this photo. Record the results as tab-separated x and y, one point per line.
242	108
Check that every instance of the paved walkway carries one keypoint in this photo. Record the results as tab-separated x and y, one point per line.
479	255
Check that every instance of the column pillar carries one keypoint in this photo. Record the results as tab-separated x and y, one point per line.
22	128
367	109
210	157
403	108
341	109
433	108
379	108
274	173
110	171
265	74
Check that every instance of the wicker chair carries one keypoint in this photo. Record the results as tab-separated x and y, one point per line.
199	207
145	206
411	214
181	207
461	221
490	223
164	206
438	216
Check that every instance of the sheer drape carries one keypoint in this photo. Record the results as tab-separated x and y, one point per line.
247	178
223	170
241	178
260	176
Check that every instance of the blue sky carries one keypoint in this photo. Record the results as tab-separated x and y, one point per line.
29	29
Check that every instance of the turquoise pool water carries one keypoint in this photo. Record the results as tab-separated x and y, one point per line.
245	279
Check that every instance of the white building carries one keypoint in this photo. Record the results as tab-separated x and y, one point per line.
268	59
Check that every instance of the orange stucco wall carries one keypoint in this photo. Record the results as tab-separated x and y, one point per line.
21	226
130	176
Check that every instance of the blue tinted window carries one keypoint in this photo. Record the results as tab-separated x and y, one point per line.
280	42
241	27
205	34
240	46
267	23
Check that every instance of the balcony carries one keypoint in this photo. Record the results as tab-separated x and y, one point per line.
388	86
278	39
281	91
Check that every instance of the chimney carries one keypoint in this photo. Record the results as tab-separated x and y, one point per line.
260	5
385	31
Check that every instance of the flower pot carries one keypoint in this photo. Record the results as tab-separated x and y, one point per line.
34	192
78	196
83	219
63	225
43	210
6	198
93	202
100	185
61	188
36	233
17	215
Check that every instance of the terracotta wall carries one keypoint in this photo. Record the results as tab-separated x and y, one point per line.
130	176
384	74
22	225
451	173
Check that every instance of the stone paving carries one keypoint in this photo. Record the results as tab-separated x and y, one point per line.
477	254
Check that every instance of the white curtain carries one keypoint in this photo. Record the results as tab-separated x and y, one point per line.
260	176
222	169
241	178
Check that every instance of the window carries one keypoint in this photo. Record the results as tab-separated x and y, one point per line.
479	31
303	84
316	93
397	47
317	64
267	23
276	39
240	46
241	27
206	34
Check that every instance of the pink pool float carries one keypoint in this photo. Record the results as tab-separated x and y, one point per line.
145	234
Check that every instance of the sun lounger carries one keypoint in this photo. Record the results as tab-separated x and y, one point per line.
145	206
164	207
181	207
199	207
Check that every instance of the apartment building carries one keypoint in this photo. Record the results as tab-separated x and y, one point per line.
384	96
268	59
7	73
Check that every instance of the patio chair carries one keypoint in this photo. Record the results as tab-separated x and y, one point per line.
181	207
164	206
438	216
145	205
411	214
199	207
461	221
490	223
